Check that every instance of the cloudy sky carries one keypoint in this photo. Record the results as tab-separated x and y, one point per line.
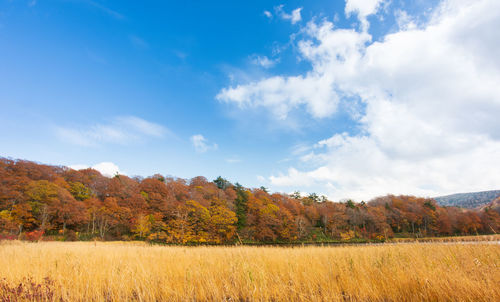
351	99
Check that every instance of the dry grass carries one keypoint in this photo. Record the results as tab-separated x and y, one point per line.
478	238
123	272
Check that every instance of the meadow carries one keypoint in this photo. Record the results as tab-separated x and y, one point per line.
136	271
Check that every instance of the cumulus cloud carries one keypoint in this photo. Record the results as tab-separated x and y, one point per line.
404	20
430	97
282	94
268	14
107	169
363	9
120	130
293	17
201	144
296	17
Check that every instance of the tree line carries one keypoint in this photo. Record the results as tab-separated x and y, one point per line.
61	203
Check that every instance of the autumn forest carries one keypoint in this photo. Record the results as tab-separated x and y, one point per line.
57	203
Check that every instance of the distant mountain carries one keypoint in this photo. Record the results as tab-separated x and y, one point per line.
468	200
495	205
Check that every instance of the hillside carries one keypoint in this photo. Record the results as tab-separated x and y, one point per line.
65	204
468	200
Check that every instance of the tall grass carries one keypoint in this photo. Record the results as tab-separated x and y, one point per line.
123	271
477	238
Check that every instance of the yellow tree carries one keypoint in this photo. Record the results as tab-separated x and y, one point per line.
222	223
43	197
190	224
142	226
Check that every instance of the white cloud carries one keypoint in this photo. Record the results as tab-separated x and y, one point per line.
142	126
282	94
233	160
431	100
107	169
120	130
201	144
263	61
294	17
105	9
268	14
261	179
404	20
362	8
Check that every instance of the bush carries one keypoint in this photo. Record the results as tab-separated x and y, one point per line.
70	236
27	290
34	235
8	237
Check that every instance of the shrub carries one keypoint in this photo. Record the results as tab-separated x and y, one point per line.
27	290
8	237
70	236
34	235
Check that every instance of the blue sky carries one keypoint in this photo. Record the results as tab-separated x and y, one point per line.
288	95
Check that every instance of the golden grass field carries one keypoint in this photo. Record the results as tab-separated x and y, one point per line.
119	271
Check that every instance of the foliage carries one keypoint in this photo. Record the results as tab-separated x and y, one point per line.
34	235
38	199
222	183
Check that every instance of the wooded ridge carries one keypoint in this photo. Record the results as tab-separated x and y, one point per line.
52	202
